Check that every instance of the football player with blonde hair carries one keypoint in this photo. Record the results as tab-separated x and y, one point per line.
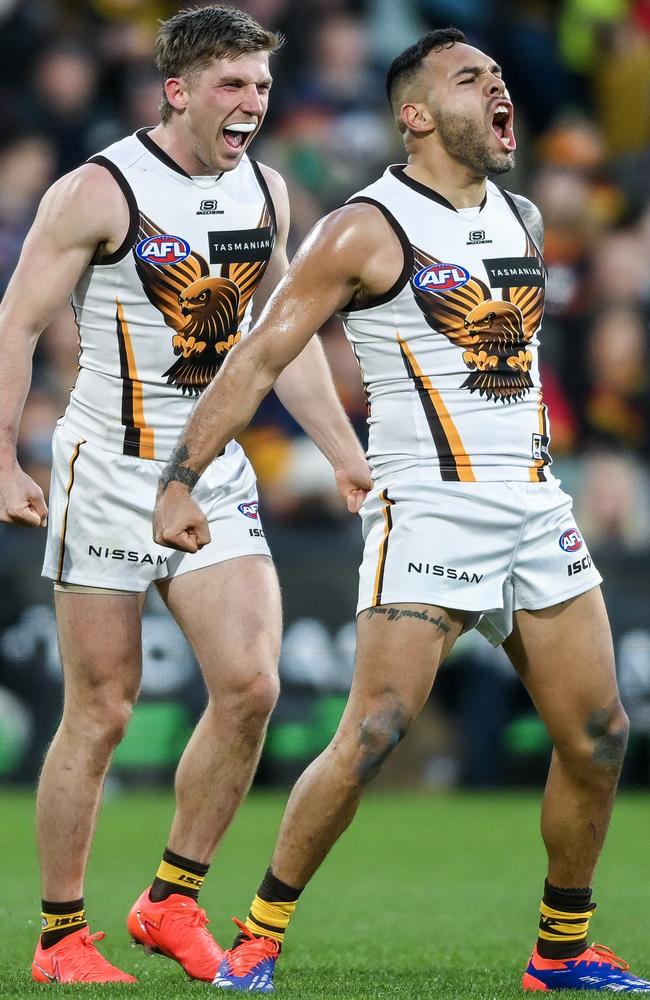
167	241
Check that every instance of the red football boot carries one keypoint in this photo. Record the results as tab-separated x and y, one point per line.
176	927
74	959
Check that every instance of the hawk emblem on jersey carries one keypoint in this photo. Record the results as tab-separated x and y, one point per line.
203	310
494	333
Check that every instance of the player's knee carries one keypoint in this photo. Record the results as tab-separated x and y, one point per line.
254	698
594	752
377	736
116	723
608	730
100	726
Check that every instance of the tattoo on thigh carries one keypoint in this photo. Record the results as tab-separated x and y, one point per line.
609	745
175	472
393	614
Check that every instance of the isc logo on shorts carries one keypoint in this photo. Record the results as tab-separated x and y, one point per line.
249	509
440	277
163	249
570	540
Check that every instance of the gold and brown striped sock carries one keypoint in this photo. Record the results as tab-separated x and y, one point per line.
177	874
564	921
60	919
272	908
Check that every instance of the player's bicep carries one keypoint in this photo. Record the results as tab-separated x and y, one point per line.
43	280
73	219
321	280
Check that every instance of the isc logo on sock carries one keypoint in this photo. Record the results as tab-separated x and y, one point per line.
190	879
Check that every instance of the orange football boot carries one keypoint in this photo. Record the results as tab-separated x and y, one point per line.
176	927
74	959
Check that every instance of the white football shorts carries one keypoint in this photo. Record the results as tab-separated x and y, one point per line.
100	517
487	548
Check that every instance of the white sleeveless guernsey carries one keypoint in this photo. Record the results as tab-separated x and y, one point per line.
157	317
449	354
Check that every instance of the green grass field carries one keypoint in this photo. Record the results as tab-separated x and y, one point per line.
425	896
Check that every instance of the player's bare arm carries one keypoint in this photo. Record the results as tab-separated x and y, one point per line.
82	212
306	389
350	255
532	218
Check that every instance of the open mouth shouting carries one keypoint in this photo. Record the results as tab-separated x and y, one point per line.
237	133
502	119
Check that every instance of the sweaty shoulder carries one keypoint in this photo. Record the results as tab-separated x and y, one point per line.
532	218
358	241
86	208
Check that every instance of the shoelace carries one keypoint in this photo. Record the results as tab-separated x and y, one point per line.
93	962
608	957
193	917
246	955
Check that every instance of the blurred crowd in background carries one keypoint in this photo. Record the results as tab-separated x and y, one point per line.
78	74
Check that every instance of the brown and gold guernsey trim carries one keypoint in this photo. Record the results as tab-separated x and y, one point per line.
101	257
536	471
64	526
383	548
138	438
455	463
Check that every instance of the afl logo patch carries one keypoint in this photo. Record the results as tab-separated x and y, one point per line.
249	509
570	540
441	277
163	249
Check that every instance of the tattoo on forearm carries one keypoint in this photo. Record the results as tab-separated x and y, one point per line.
174	472
395	614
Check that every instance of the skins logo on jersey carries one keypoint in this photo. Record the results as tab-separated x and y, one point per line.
203	310
493	332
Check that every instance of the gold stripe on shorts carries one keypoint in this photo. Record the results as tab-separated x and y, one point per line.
455	463
383	548
75	456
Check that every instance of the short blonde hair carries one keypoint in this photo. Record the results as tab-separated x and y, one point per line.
190	40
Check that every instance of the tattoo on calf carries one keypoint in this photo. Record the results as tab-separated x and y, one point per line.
175	472
395	614
609	746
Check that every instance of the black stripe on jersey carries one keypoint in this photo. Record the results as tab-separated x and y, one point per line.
379	585
134	216
446	461
131	444
143	135
407	266
398	173
510	201
261	180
